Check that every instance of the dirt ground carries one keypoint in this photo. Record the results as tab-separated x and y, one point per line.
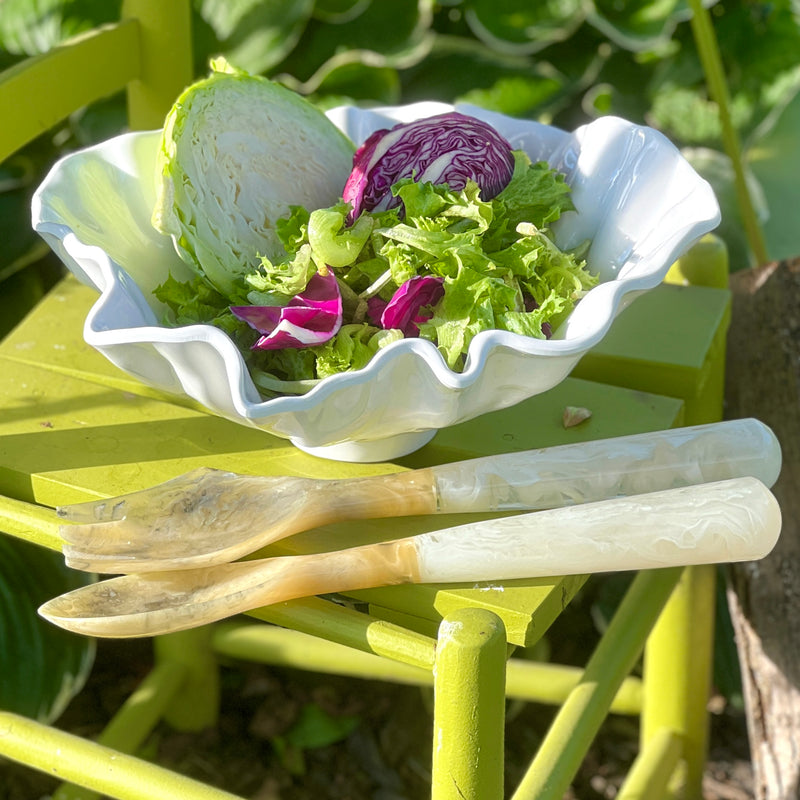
383	737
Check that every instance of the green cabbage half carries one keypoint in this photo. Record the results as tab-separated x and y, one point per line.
236	152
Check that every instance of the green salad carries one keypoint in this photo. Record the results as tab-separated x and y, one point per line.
435	229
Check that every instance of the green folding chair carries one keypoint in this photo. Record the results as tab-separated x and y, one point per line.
106	435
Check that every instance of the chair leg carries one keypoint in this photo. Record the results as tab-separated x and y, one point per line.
195	705
109	772
135	721
469	710
182	688
166	59
677	675
579	719
653	768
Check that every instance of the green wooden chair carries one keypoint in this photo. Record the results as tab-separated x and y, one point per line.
105	434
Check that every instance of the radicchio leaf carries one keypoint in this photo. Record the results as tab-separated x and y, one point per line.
405	311
312	317
449	148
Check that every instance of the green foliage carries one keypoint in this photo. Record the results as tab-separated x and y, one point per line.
43	667
258	33
562	62
313	729
30	27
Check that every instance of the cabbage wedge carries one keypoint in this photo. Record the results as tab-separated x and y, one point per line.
237	151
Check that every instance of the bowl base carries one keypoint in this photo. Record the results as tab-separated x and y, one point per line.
370	452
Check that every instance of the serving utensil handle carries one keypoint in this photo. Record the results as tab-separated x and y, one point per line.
596	470
721	522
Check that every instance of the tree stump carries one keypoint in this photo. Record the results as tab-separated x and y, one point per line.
763	381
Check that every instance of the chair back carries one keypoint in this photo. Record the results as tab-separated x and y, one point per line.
147	53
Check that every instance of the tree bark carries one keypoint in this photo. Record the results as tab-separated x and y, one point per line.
763	381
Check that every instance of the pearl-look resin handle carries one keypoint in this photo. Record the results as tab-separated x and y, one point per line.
626	465
726	521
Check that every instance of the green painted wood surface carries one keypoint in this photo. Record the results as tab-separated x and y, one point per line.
669	341
528	607
134	721
46	89
576	724
33	523
165	52
651	771
74	426
338	623
64	755
526	679
678	674
147	53
469	708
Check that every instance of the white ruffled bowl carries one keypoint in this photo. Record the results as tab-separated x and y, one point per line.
637	199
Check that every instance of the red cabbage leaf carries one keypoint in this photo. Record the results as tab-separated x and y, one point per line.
448	148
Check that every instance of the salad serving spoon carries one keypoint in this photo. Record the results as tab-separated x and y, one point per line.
211	517
725	521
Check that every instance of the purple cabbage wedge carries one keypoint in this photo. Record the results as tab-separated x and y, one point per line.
448	148
312	317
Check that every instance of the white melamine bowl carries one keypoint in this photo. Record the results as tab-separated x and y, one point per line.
637	199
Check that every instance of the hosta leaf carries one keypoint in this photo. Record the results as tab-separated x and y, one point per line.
29	27
517	96
358	82
774	158
339	11
255	35
461	69
523	28
42	666
758	41
384	35
642	24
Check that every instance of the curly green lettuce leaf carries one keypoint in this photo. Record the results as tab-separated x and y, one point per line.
473	302
190	302
276	282
352	348
537	322
292	229
536	194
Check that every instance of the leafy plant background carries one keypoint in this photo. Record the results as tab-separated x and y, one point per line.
42	666
562	62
